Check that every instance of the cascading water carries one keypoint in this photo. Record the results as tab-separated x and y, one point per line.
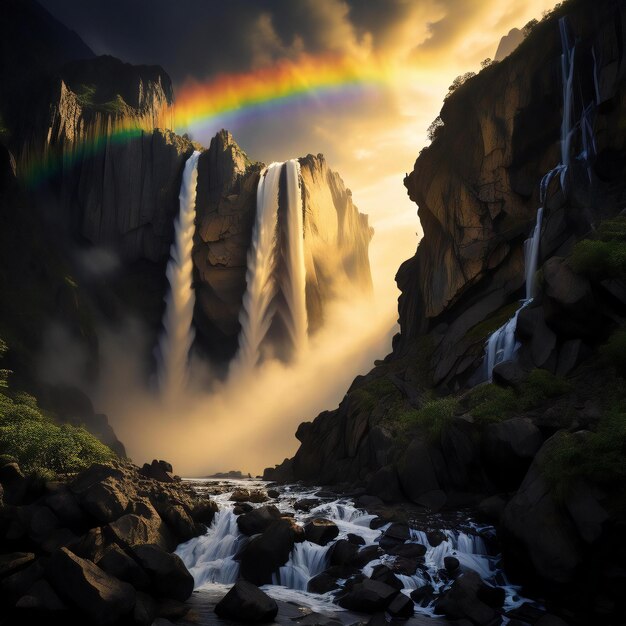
502	344
275	267
178	334
211	558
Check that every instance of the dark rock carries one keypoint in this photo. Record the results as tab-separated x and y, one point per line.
395	535
343	552
273	493
408	550
492	508
59	538
384	485
401	607
180	523
306	504
492	596
320	531
101	597
416	471
104	501
41	597
451	563
96	473
322	583
146	527
423	595
65	506
13	562
366	555
92	545
117	563
16	585
246	603
435	537
171	609
367	501
265	553
368	596
258	520
383	574
242	507
509	374
433	500
406	566
461	601
357	540
167	572
145	609
158	470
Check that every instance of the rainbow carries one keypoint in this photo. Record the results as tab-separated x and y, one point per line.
224	99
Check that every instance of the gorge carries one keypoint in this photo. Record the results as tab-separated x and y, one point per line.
165	299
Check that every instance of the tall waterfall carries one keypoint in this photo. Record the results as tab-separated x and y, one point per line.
502	345
275	277
177	337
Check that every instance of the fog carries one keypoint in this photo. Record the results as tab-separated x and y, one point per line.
249	422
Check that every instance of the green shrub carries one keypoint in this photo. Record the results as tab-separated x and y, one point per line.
612	230
614	351
482	330
372	392
541	386
432	417
599	260
492	403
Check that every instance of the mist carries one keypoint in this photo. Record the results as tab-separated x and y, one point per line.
248	422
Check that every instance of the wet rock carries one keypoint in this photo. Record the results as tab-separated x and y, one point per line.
168	575
492	596
384	485
357	540
180	522
103	598
41	597
368	596
461	601
509	374
395	535
408	550
203	512
366	555
492	508
401	607
119	564
171	609
435	537
246	603
383	574
265	553
322	583
145	610
273	493
342	552
451	563
423	595
306	504
242	507
320	531
258	520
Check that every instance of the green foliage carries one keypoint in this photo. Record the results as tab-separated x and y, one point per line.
529	27
459	81
612	230
614	351
599	260
597	457
3	348
87	97
432	417
481	331
41	446
493	403
373	392
486	62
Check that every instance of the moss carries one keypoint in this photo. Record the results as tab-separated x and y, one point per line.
613	352
599	260
481	331
597	457
612	230
432	417
541	386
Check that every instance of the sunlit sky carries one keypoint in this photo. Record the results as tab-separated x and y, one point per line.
371	137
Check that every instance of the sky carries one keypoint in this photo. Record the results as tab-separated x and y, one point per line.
371	136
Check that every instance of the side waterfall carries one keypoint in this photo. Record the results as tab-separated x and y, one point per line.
502	345
178	334
275	267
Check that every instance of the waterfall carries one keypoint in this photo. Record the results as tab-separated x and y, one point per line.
275	276
502	344
293	279
177	336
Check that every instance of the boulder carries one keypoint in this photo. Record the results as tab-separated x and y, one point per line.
383	574
401	607
368	596
92	545
103	598
41	597
416	471
423	595
306	504
204	511
342	552
320	531
367	555
96	473
508	448
452	564
509	374
168	575
461	601
246	603
180	523
408	550
11	563
119	564
17	584
159	470
394	536
357	540
144	527
104	501
145	609
265	553
64	504
258	520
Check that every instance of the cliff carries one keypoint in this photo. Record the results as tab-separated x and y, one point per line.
419	426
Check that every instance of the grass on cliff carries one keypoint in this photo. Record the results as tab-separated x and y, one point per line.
37	443
604	255
482	330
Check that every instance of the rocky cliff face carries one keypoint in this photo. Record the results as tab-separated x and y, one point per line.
336	239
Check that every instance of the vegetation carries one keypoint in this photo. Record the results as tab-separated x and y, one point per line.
87	98
613	352
37	443
435	127
459	81
432	417
604	255
482	330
